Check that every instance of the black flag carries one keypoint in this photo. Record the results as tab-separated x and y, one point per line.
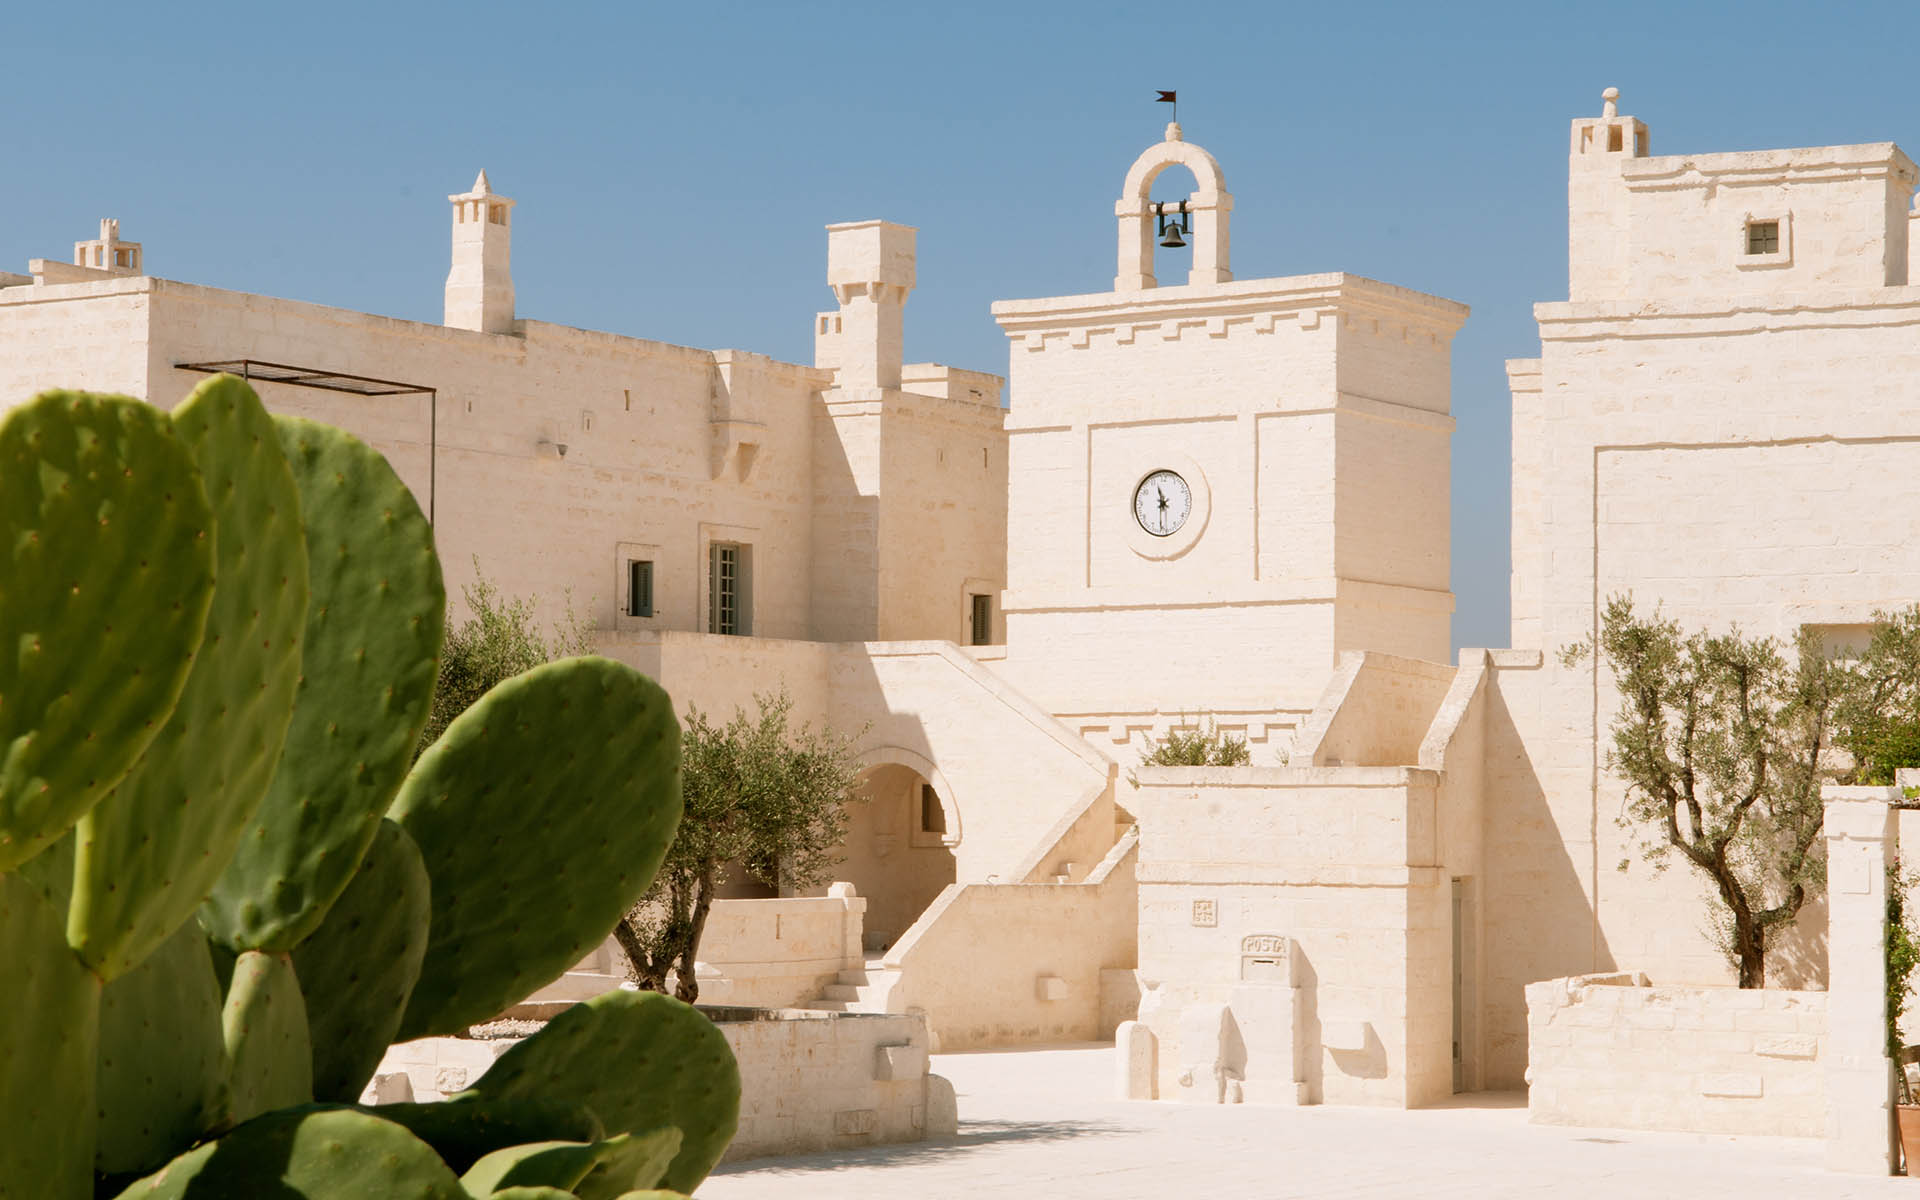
1165	98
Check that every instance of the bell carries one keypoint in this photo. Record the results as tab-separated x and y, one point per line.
1170	237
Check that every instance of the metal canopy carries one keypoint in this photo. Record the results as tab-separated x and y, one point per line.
255	370
313	377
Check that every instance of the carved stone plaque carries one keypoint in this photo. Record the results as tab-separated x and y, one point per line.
1205	914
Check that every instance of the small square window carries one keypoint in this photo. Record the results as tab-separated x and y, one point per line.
1763	237
933	818
639	588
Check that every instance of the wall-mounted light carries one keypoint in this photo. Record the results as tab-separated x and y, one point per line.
1171	231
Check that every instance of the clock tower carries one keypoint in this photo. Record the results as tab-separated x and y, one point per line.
1218	487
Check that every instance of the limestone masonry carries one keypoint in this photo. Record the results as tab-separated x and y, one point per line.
1216	496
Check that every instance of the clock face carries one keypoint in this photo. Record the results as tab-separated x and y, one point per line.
1162	503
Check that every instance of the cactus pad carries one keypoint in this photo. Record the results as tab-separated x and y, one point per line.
359	967
640	1060
308	1153
529	1192
537	1164
107	545
47	1039
162	1062
466	1128
151	850
639	1161
265	1025
372	646
542	812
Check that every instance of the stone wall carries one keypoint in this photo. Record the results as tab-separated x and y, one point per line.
808	1081
1007	964
1609	1050
779	953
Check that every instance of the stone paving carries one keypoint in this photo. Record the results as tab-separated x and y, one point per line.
1042	1124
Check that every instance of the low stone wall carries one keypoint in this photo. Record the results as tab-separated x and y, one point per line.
779	953
808	1081
1008	964
1611	1050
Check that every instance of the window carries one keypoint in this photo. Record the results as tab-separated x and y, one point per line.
639	587
729	599
982	623
933	818
1763	237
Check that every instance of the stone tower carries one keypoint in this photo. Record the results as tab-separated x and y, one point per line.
480	284
1218	486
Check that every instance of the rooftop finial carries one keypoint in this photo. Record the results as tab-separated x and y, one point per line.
1610	102
1173	131
480	183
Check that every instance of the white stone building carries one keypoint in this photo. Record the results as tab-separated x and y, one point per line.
1224	497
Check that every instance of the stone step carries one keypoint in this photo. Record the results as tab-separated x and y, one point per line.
828	1006
843	991
854	978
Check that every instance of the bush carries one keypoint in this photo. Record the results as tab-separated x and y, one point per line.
1197	747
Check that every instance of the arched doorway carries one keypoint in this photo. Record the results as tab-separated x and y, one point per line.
899	845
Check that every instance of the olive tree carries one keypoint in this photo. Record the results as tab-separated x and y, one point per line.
1720	741
760	796
499	639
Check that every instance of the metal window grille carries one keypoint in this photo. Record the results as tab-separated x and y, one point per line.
639	588
1763	237
982	620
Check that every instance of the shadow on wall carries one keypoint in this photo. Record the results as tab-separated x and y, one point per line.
1539	915
1797	960
895	853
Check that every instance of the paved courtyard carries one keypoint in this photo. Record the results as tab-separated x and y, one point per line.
1041	1124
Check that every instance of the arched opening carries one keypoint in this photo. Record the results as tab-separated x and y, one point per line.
1169	185
899	848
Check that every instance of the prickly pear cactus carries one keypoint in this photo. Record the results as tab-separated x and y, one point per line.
373	633
264	1023
47	1042
359	967
104	588
150	851
131	789
309	1154
163	1067
637	1160
518	765
640	1060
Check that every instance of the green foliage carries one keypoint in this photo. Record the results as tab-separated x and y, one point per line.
231	751
1720	741
1193	746
1881	718
757	793
1903	955
499	639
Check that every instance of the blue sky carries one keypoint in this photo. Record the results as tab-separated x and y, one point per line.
674	163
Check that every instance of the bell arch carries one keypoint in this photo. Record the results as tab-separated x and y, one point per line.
1211	205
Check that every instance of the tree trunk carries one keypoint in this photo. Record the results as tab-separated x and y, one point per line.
1750	943
688	989
649	974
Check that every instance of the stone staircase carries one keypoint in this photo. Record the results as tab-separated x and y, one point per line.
862	990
